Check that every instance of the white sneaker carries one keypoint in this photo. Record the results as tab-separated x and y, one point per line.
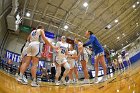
96	80
76	81
86	81
19	78
70	82
57	83
103	79
24	78
35	84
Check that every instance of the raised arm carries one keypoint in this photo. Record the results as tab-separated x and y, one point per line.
91	39
45	39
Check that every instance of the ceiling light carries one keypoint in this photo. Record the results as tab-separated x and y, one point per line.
123	34
116	21
108	26
138	2
66	27
134	6
137	24
118	37
28	14
85	4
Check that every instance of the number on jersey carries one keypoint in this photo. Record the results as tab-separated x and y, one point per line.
34	33
63	51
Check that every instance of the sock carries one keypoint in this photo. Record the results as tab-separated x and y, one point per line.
34	79
20	74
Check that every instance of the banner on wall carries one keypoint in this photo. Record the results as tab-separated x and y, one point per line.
50	35
41	64
13	56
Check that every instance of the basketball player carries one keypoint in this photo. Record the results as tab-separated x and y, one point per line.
76	71
61	60
127	59
22	59
115	64
71	60
99	54
33	54
120	60
83	58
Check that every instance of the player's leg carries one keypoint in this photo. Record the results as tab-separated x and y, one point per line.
23	69
71	75
67	69
96	64
85	70
103	64
76	73
58	72
35	61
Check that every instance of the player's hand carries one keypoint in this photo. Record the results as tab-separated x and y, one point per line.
76	58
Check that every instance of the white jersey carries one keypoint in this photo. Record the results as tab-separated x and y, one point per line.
120	59
71	61
62	51
35	35
71	53
34	48
126	56
84	54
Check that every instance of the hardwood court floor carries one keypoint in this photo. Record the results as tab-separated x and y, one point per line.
126	82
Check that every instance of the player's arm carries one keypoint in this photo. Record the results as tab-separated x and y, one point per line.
80	52
67	52
89	42
45	39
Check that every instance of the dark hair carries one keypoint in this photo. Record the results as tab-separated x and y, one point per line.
40	27
90	32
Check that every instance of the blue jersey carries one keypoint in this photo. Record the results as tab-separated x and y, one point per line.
96	46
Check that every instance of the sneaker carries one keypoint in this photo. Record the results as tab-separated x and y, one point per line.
24	78
96	80
70	82
57	83
19	78
103	79
76	81
86	81
34	84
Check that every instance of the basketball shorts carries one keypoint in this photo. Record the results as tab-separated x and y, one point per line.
60	60
83	57
99	54
34	49
71	63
